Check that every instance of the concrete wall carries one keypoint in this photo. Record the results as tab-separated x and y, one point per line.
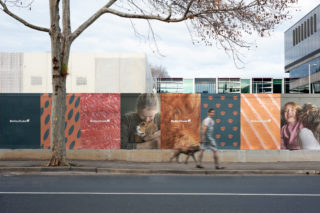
109	73
164	155
37	73
81	65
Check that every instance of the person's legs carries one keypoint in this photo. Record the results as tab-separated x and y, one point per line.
216	160
200	160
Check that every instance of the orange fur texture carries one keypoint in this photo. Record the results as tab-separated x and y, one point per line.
180	120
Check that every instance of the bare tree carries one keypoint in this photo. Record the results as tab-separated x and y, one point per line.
221	22
158	71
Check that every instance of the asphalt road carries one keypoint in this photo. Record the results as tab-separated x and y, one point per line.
115	193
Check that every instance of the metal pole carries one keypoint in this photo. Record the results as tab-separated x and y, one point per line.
309	81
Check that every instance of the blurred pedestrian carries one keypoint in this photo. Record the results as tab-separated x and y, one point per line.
207	140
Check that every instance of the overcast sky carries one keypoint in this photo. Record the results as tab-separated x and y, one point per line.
176	53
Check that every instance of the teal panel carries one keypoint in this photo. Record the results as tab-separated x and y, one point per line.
19	121
227	118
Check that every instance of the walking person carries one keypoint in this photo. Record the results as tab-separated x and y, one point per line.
207	140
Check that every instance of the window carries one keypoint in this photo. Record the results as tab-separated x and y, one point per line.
294	37
308	27
305	30
301	32
245	85
262	85
315	22
169	85
311	23
229	85
188	85
36	80
205	85
81	81
277	85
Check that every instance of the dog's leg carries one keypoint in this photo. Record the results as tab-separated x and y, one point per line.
175	155
194	158
187	158
177	158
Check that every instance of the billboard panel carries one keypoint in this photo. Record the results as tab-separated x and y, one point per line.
260	121
140	121
226	118
180	120
100	121
19	121
72	121
300	121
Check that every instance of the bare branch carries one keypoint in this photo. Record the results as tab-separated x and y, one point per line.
91	20
7	11
142	16
110	3
104	10
226	22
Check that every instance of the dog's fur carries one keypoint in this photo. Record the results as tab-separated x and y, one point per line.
189	151
310	117
186	107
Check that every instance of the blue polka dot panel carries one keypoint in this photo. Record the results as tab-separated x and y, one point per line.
226	118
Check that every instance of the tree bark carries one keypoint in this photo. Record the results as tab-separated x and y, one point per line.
59	74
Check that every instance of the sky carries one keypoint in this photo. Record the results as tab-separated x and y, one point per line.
173	49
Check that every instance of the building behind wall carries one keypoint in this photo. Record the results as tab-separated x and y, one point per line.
11	66
170	85
302	53
224	85
88	73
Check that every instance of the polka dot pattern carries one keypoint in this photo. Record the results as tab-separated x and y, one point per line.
227	118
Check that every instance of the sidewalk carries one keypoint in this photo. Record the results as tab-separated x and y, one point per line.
165	168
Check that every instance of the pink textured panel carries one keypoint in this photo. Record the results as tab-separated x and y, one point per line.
100	121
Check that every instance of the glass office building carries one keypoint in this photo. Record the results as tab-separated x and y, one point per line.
188	85
277	86
170	85
229	85
245	86
262	85
205	85
302	52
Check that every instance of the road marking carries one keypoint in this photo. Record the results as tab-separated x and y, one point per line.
165	193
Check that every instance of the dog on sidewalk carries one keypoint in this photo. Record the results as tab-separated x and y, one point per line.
189	151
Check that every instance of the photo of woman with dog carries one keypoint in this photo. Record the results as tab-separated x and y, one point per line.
140	129
301	126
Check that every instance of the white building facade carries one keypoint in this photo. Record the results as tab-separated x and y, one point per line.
88	73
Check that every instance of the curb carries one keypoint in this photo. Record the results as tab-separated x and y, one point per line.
106	171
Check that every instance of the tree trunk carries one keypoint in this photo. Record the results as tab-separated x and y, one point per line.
60	56
58	121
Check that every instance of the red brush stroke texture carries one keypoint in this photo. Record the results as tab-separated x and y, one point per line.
100	121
